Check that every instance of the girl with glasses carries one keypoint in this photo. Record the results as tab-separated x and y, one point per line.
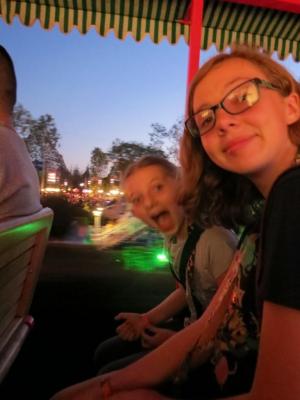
239	149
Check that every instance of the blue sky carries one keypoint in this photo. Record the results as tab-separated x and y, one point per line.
98	89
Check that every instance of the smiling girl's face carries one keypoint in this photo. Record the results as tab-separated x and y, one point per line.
152	193
255	142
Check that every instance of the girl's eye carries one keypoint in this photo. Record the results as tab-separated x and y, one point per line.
204	119
242	97
207	121
238	97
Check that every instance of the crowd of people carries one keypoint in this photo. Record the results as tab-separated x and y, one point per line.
230	216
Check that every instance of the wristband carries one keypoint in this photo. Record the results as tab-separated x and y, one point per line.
145	320
105	389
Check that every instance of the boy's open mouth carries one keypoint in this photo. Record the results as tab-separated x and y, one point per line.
163	220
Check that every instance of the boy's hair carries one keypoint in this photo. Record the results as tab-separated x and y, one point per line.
223	197
8	82
150	160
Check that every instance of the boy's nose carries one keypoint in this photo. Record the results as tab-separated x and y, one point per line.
148	202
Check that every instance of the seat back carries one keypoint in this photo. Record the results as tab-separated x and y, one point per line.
23	242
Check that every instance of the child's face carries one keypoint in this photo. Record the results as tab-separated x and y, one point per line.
153	196
256	142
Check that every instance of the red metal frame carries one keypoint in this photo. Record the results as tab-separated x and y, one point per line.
196	16
193	17
283	5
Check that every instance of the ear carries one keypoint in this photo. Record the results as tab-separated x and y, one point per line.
292	109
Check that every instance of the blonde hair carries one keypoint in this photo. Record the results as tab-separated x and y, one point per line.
150	160
200	174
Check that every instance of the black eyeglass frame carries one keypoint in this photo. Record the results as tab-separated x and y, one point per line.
195	131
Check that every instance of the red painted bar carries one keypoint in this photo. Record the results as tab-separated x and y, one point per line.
196	15
283	5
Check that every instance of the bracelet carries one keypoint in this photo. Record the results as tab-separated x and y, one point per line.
145	320
105	389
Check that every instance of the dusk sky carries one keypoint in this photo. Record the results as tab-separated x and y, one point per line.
98	89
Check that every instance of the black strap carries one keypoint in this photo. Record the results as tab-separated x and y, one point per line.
248	230
188	252
189	247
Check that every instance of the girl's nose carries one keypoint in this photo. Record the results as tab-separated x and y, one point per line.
224	121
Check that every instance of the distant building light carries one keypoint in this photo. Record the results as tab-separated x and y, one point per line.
87	191
97	213
51	190
51	177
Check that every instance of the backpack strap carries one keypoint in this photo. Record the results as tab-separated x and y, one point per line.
187	261
189	247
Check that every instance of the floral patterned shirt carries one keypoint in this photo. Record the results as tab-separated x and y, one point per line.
238	336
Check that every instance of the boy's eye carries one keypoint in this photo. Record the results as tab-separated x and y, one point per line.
135	200
158	187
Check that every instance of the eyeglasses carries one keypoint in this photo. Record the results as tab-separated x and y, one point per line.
238	100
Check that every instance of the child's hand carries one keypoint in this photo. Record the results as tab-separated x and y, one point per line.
132	327
153	336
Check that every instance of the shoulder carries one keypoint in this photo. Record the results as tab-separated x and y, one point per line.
290	178
285	195
218	235
10	140
6	132
215	250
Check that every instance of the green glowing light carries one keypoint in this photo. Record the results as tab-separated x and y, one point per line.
162	257
145	259
145	253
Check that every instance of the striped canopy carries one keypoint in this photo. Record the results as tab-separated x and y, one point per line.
224	23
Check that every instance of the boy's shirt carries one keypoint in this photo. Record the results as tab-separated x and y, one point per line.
208	261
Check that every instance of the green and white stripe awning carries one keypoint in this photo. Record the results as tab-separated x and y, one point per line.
273	30
157	18
224	23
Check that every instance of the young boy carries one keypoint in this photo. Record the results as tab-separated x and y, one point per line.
199	259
